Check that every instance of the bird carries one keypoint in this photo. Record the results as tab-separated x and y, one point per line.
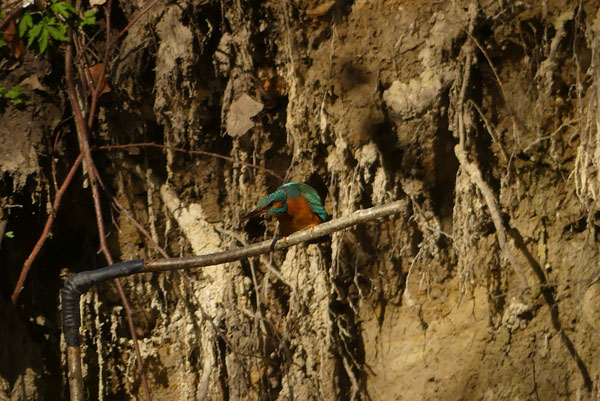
297	206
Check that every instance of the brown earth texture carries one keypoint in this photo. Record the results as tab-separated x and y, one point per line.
483	117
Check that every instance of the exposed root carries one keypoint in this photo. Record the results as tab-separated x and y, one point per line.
502	232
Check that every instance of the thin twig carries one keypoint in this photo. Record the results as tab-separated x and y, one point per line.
133	21
556	131
11	14
82	136
199	152
98	86
497	76
46	231
490	129
126	306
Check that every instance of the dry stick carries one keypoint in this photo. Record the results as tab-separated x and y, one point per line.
97	87
183	276
133	21
128	312
11	14
81	282
46	231
93	176
199	152
360	216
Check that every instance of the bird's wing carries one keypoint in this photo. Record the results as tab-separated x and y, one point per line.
314	201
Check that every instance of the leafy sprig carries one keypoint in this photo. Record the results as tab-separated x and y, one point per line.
42	25
12	95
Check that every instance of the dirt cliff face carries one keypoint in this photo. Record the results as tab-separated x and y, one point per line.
483	117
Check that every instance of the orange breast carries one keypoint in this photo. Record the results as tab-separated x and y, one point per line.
298	217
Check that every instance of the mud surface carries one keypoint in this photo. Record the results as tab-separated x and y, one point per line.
481	116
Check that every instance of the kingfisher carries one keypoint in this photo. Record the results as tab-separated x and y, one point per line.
297	206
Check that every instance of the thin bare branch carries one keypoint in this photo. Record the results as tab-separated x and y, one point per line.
11	14
82	136
360	216
98	86
199	152
133	21
511	113
46	231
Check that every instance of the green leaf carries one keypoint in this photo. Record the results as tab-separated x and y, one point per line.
25	23
2	42
57	32
88	18
43	40
9	234
70	7
59	8
33	33
14	92
63	8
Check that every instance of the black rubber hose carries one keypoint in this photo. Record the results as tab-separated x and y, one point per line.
78	284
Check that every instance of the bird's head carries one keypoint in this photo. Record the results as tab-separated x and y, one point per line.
274	203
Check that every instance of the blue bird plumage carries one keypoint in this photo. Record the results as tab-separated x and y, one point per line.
296	206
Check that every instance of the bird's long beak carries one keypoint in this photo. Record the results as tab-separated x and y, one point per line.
255	213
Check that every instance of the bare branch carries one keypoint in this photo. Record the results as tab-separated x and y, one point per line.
82	136
329	227
133	21
46	231
199	152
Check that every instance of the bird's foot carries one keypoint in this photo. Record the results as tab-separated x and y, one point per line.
284	238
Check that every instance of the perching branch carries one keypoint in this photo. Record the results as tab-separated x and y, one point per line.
81	282
260	248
